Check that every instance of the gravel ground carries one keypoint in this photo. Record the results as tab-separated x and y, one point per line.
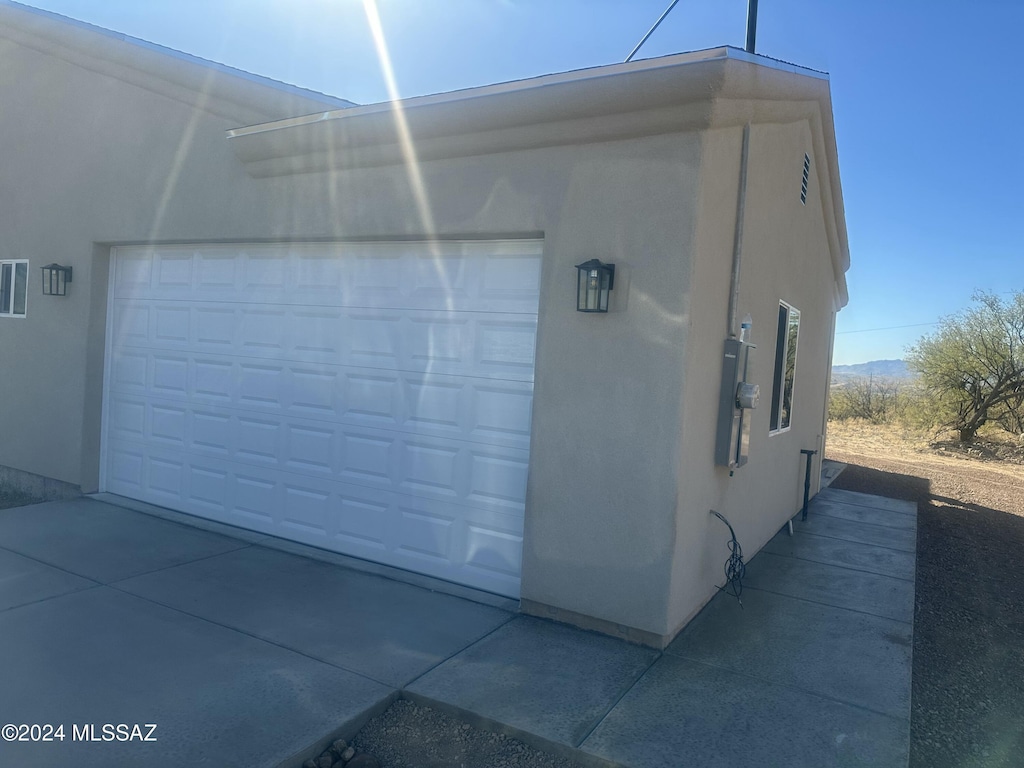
412	736
968	676
12	498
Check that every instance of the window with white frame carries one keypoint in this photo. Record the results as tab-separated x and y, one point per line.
785	367
13	287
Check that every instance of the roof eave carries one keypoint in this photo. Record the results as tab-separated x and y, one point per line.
231	93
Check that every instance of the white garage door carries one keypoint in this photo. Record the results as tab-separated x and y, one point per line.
372	399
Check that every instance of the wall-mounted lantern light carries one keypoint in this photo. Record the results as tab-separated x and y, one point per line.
56	279
595	281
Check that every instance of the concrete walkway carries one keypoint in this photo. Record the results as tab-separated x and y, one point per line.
245	651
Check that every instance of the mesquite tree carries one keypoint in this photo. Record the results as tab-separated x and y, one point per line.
974	363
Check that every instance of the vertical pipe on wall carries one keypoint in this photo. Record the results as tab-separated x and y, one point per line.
751	25
737	251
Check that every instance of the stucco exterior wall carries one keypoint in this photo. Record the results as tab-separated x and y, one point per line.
101	162
785	258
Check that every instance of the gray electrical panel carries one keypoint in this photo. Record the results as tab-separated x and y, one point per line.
737	396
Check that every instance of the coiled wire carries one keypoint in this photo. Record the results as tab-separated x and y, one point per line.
735	568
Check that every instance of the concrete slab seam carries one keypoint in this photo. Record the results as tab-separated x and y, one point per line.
621	696
178	565
51	597
854	541
865	506
35	559
847	567
461	650
832	605
795	688
852	521
482	722
869	544
262	639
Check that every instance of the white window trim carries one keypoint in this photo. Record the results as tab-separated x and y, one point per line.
14	276
780	382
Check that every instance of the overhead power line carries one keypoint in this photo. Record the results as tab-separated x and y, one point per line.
651	31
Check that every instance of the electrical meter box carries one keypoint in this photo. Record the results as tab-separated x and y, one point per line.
736	398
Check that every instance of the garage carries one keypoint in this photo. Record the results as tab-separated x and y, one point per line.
373	399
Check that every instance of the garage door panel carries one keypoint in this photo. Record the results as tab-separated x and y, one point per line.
474	410
167	424
494	552
466	544
265	332
168	374
173	269
485	477
127	419
373	399
260	385
211	433
214	328
171	324
481	345
478	277
129	371
131	323
254	501
216	271
125	469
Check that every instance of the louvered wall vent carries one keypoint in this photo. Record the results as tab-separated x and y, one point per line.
806	176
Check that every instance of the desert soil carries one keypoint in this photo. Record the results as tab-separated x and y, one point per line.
967	708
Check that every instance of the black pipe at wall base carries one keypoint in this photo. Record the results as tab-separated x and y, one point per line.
807	481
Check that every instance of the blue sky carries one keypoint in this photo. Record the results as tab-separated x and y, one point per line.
927	95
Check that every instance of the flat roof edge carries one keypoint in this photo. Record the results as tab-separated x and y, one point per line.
173	53
723	53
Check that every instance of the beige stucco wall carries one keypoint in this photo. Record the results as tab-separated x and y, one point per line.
101	162
89	159
784	258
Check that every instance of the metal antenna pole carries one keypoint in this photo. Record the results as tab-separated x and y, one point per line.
651	31
751	25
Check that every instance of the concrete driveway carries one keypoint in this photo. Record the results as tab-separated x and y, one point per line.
244	650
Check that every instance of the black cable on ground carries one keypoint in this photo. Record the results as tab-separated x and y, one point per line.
734	566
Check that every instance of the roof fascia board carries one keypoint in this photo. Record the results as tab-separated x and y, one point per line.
564	109
663	63
343	155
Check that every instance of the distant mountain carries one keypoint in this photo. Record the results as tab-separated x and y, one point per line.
886	369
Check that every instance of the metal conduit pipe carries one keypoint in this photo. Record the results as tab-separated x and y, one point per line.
737	250
807	480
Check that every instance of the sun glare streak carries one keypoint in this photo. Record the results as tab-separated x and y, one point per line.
412	166
180	154
171	182
406	142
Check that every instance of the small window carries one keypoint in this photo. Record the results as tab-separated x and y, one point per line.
785	367
13	288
